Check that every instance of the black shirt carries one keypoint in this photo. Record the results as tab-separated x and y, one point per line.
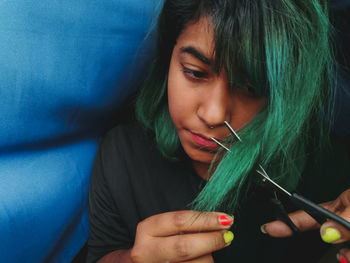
131	181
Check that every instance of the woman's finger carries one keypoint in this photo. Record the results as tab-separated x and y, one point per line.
173	223
185	247
301	219
204	259
191	246
332	232
343	255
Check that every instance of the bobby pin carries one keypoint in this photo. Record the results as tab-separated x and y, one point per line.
232	131
278	204
319	213
220	144
262	171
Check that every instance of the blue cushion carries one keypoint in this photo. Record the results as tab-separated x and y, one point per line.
66	68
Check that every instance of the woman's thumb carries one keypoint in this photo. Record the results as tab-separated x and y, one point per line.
332	232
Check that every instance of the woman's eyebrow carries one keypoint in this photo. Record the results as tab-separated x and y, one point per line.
197	54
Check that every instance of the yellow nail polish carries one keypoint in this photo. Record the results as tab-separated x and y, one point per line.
330	235
262	229
228	237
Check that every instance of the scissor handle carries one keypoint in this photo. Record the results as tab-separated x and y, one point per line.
319	213
281	214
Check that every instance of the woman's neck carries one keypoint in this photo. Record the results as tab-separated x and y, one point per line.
201	169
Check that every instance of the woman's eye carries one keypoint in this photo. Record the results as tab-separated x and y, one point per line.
195	74
250	88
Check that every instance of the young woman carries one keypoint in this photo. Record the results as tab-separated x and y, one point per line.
265	68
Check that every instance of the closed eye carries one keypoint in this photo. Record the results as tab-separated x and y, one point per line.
250	88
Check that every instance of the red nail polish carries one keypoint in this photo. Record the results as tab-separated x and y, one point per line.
342	259
225	221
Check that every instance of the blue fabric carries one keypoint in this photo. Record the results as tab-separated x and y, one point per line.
43	203
66	68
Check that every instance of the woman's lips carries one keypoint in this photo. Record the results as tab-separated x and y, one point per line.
204	141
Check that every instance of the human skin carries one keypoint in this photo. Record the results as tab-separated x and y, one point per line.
196	103
181	236
200	100
340	206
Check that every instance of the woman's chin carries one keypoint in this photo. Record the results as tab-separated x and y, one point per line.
201	156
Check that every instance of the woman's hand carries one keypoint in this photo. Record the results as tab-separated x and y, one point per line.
182	236
330	231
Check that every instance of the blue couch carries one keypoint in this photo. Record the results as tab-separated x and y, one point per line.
66	68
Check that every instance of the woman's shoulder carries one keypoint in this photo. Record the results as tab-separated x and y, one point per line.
130	150
127	154
127	138
128	130
135	170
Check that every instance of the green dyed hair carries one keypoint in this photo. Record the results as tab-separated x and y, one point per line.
283	48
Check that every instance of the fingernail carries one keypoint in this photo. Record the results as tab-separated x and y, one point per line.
228	237
341	258
330	235
262	229
225	220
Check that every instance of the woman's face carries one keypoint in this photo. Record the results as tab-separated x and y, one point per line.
199	99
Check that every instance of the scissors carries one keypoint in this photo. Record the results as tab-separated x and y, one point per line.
319	213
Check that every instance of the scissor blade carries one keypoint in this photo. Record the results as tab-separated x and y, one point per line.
220	144
273	183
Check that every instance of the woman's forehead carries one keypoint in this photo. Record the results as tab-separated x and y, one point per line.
197	40
200	36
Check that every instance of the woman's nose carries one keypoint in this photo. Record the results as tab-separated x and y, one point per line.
214	107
